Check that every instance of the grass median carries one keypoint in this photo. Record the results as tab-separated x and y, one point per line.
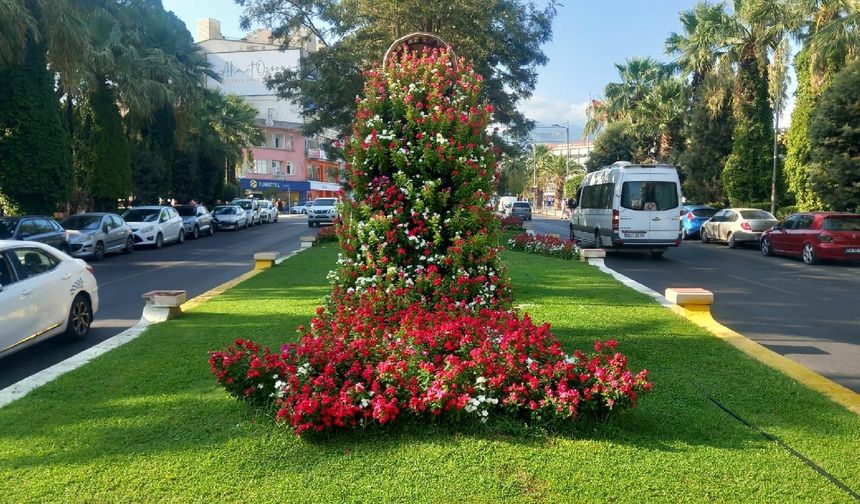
147	422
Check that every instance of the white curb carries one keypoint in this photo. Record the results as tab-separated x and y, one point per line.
629	282
32	382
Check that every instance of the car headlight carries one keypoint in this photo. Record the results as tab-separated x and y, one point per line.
147	229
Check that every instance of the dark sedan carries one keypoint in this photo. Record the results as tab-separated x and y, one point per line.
34	228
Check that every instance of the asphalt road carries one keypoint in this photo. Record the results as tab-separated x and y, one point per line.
195	266
807	313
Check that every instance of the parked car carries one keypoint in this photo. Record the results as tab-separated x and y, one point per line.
95	234
521	209
629	206
692	218
268	212
323	211
34	228
229	217
196	219
814	236
252	208
155	225
737	226
301	208
43	293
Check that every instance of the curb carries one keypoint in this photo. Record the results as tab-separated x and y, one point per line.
701	316
23	387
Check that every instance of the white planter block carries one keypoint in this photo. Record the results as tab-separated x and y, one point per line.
686	296
163	305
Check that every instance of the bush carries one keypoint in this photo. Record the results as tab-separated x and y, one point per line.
544	245
511	224
357	367
327	234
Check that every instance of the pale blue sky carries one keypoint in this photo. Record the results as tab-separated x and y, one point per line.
588	38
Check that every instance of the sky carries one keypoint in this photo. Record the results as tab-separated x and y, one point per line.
589	37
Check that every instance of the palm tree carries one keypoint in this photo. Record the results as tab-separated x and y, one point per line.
16	22
660	117
552	172
697	49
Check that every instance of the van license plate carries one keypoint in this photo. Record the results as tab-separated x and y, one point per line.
634	235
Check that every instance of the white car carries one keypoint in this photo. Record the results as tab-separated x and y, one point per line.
155	225
43	293
268	211
252	208
323	211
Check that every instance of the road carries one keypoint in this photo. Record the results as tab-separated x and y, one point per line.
196	266
806	313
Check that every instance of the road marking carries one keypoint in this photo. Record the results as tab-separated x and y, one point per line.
702	317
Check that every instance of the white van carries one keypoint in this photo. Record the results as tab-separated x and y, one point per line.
506	202
629	206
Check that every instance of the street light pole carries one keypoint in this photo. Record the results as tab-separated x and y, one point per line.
567	139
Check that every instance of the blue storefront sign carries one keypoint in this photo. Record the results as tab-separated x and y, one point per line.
279	185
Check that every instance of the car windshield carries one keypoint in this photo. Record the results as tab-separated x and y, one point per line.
7	228
187	210
704	212
646	195
756	215
842	223
141	215
224	210
522	205
324	202
244	204
82	222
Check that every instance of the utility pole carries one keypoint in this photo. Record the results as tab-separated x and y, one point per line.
775	151
567	137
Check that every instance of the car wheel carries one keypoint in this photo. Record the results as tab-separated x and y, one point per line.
196	233
181	237
809	256
732	242
99	251
80	317
159	241
765	247
598	240
129	245
704	236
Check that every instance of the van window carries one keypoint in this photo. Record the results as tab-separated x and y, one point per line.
598	196
646	195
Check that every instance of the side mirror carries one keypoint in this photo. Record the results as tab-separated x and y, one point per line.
104	228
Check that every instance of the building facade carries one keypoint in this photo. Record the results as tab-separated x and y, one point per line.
285	165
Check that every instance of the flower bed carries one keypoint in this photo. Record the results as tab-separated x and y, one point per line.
327	234
511	224
546	245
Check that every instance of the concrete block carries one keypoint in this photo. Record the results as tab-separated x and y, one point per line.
586	254
308	241
163	305
554	235
686	296
265	260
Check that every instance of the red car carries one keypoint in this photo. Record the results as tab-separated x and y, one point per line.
814	236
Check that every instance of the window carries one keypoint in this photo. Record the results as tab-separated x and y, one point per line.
789	222
598	196
649	196
842	223
117	221
31	262
291	168
277	140
260	166
289	144
758	215
43	226
6	277
276	167
803	222
704	212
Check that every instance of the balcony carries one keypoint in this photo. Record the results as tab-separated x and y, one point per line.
319	154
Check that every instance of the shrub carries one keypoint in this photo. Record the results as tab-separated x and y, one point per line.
357	367
511	224
544	245
327	234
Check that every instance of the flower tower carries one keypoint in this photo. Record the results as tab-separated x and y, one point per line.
419	321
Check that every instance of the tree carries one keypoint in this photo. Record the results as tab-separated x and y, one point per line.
615	143
35	168
552	173
502	38
835	133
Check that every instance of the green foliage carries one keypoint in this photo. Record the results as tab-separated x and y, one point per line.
835	134
502	38
102	156
35	166
572	184
615	143
747	174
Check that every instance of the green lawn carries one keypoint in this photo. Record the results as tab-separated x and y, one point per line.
147	422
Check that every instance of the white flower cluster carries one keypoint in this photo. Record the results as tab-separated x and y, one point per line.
480	405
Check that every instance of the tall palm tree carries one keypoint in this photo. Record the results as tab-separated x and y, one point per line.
16	21
698	49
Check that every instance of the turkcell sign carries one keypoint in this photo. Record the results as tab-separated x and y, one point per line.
245	72
279	185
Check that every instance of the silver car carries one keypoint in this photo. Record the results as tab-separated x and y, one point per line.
323	211
737	226
229	217
96	234
196	220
